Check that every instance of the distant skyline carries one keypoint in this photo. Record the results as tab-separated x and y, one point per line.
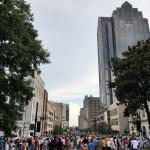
68	29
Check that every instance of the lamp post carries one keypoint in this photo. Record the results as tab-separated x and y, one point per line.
35	124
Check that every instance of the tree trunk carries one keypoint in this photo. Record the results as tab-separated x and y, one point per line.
148	113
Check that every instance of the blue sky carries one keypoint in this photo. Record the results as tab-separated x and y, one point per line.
68	29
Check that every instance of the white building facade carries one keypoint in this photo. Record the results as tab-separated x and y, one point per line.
118	122
83	119
143	121
26	125
65	116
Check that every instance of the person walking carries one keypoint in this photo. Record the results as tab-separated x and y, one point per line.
59	144
24	145
1	143
45	144
135	144
104	143
94	140
99	144
108	144
112	144
30	145
54	143
85	147
8	145
91	145
50	145
125	143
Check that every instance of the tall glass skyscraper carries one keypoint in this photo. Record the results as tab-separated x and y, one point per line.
114	34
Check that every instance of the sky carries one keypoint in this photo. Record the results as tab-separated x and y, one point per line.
68	29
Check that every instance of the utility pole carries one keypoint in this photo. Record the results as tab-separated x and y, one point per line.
35	119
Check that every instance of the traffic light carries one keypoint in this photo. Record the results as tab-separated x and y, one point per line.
38	129
31	126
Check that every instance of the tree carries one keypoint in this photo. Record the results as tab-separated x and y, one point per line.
21	54
57	130
104	128
132	78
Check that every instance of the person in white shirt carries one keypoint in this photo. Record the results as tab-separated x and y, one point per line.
108	144
112	144
7	145
135	144
63	140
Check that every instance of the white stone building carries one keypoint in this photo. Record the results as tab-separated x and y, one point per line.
57	114
144	124
65	116
118	122
83	119
28	120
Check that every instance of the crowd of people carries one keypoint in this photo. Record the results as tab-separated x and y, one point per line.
44	143
109	143
73	143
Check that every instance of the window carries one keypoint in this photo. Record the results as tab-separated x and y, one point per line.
114	121
114	112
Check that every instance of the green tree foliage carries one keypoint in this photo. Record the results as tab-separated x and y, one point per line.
132	78
21	53
57	130
104	129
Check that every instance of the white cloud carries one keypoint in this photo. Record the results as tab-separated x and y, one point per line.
74	113
84	86
68	29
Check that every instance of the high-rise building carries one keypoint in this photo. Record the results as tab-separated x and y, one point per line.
93	106
50	117
125	28
57	114
83	119
65	115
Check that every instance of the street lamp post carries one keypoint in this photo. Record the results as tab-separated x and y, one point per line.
35	124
